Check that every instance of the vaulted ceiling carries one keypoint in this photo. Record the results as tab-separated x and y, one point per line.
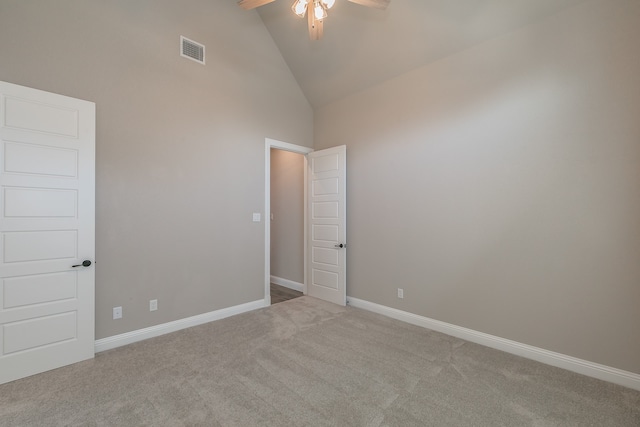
362	46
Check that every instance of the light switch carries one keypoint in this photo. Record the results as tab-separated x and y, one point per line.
256	217
271	217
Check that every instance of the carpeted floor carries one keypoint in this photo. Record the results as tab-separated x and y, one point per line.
305	362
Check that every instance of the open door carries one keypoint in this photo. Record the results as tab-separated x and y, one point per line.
47	217
327	224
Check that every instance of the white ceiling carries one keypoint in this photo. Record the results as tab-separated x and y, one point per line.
362	46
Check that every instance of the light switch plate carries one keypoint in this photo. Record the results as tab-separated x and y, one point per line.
256	217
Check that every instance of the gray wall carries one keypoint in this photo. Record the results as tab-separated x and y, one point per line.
500	186
287	206
180	146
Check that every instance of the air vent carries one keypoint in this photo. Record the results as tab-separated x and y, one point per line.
192	50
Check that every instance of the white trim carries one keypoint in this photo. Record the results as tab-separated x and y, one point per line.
584	367
268	145
281	145
165	328
305	250
296	286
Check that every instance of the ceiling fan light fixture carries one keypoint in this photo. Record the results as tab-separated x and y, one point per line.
319	10
328	3
299	7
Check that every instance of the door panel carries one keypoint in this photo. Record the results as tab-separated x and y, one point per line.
40	203
33	333
327	223
40	160
47	223
327	233
327	256
39	288
35	115
323	187
325	210
21	246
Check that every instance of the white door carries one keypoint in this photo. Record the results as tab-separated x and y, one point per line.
47	223
327	224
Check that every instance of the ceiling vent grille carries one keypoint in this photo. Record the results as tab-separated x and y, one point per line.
192	50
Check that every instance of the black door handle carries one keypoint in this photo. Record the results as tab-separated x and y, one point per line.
85	263
341	245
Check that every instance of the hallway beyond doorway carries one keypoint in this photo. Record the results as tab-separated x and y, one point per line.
280	294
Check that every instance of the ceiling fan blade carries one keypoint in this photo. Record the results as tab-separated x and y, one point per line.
252	4
378	4
316	27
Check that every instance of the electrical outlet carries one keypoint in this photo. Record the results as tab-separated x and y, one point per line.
153	305
256	217
400	293
117	313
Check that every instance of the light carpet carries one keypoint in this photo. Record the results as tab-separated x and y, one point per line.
305	362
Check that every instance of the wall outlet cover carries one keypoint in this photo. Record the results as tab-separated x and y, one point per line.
117	313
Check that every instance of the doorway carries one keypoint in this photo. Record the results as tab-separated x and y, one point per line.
324	247
285	231
287	225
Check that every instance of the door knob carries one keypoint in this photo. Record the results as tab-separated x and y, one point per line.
341	246
85	263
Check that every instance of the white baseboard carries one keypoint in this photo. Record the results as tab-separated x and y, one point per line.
287	283
165	328
584	367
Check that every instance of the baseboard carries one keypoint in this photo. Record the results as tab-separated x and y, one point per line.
287	283
165	328
584	367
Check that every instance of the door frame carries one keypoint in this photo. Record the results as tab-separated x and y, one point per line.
285	146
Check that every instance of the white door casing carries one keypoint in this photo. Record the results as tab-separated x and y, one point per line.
327	224
47	226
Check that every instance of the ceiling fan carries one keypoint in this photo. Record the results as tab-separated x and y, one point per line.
317	10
